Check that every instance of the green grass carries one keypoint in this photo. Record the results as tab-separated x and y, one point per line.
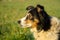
12	10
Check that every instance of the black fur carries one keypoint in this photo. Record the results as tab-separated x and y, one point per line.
29	8
42	16
41	7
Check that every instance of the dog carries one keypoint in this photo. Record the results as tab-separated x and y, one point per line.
42	25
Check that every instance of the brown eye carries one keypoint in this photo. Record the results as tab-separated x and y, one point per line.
30	17
27	17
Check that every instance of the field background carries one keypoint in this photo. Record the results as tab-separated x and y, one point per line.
12	10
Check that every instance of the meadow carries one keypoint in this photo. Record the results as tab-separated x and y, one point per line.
12	10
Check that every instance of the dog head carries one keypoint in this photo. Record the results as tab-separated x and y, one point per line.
35	17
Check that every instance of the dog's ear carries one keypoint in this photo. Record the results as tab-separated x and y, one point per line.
30	8
39	8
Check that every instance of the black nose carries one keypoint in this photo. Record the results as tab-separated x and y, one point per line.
19	21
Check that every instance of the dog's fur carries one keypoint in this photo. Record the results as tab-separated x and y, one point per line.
43	26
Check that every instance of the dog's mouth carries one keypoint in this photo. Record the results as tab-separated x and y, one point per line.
24	24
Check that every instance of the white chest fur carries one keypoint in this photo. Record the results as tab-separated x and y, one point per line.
48	35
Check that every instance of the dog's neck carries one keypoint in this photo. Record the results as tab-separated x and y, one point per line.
36	30
33	29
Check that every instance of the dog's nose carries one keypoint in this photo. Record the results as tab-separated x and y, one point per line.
19	21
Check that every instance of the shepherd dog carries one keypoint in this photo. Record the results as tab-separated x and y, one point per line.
42	25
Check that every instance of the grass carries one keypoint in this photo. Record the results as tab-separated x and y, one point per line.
12	10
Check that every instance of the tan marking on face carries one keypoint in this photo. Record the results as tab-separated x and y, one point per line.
34	23
28	21
36	20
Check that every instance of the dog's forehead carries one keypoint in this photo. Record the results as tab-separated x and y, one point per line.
33	11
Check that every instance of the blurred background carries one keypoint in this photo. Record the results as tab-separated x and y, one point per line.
12	10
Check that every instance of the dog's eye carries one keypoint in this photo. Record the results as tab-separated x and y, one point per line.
27	17
30	17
